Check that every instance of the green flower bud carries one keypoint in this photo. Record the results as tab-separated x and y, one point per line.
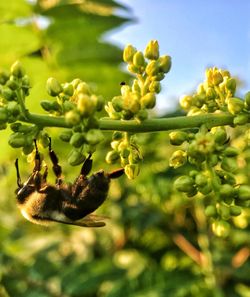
220	135
112	157
133	69
138	59
77	139
235	210
44	139
211	93
68	105
155	87
152	68
247	99
244	192
205	190
72	117
117	103
221	228
211	211
53	87
177	137
178	158
25	82
212	160
133	157
152	50
231	85
28	149
14	126
184	183
115	144
4	76
68	89
83	88
224	211
94	136
128	53
158	77
111	112
13	108
17	69
164	63
3	115
148	101
75	82
142	115
132	170
85	105
201	180
13	83
136	86
66	135
98	101
17	140
117	135
8	94
226	191
229	164
75	158
46	105
231	151
131	103
241	119
235	105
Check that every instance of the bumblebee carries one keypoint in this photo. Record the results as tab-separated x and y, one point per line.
42	203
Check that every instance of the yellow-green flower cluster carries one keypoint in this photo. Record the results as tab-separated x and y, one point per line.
13	84
78	103
216	162
217	93
150	68
125	149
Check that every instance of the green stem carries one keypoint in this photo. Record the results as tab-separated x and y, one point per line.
151	125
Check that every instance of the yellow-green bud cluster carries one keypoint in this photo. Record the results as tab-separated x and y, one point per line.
217	92
78	104
13	85
126	150
150	68
217	163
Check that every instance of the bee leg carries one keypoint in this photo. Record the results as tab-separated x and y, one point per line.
37	166
87	166
56	167
81	181
19	183
116	173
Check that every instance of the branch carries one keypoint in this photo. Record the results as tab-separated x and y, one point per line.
150	125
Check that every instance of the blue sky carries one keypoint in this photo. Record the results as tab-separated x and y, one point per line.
196	34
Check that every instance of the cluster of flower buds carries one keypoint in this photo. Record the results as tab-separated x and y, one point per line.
125	149
78	104
216	163
150	68
217	93
13	85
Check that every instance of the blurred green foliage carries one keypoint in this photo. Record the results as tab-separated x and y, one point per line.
156	242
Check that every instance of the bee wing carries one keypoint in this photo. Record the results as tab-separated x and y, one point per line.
88	221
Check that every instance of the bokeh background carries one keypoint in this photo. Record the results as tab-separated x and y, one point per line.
154	240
